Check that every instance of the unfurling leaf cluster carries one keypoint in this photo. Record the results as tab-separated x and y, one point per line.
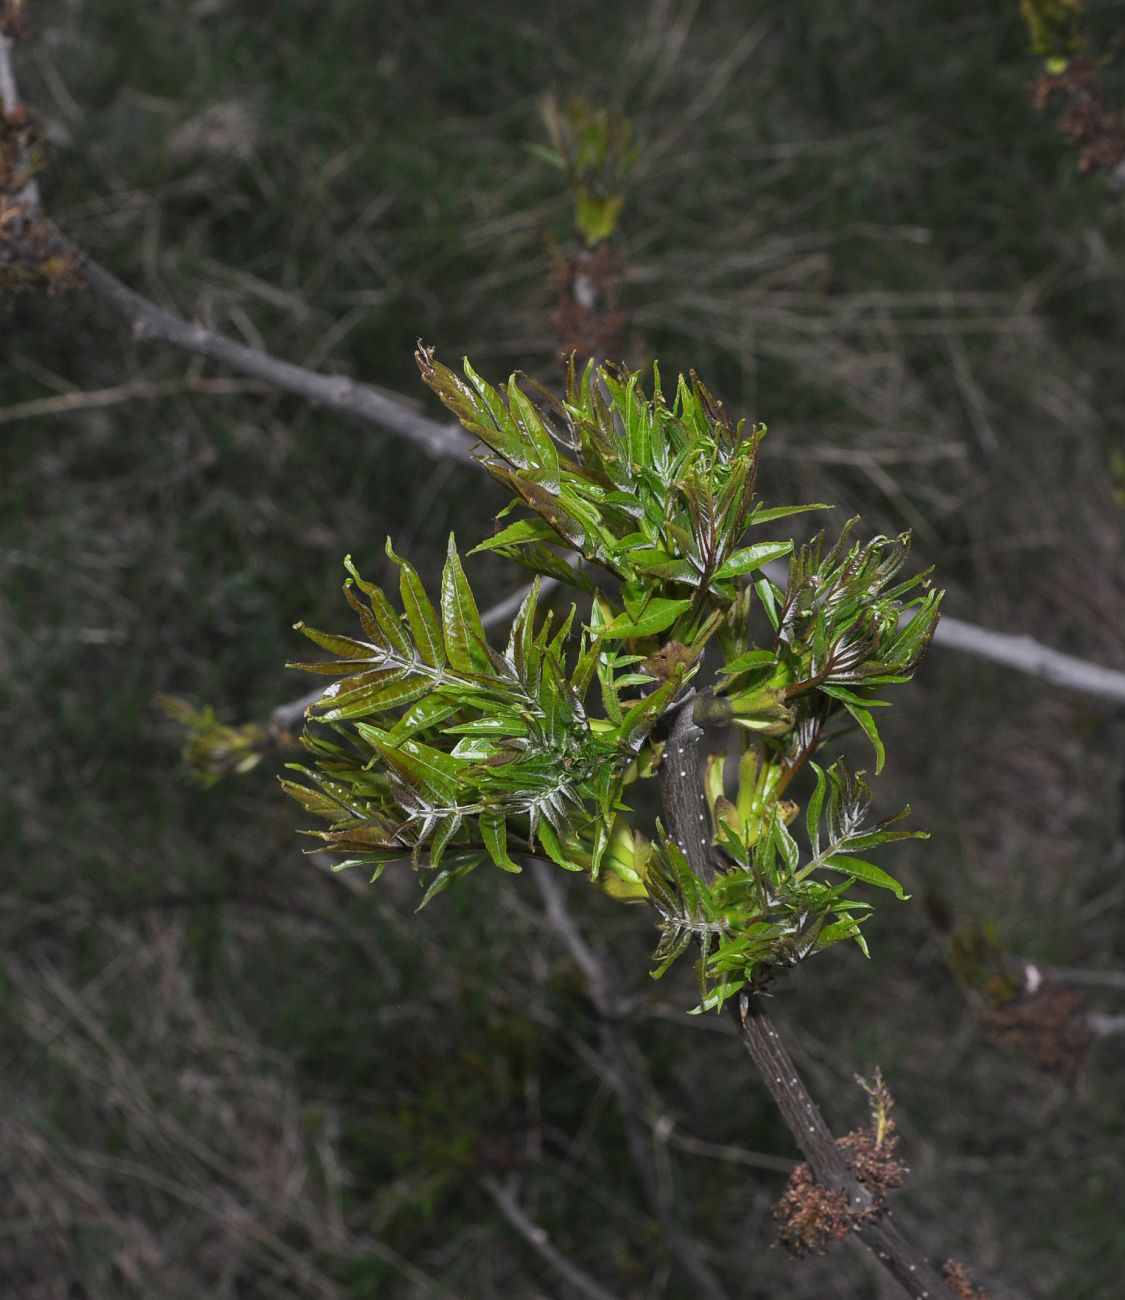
594	147
434	746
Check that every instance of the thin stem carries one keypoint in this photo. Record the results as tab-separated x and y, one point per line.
681	784
536	1237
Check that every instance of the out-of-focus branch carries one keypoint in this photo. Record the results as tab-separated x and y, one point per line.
9	103
336	392
138	390
623	1078
1105	1026
536	1237
1027	655
1060	975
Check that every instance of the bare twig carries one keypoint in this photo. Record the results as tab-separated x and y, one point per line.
139	390
1105	1026
336	392
623	1077
1027	655
536	1237
1059	975
9	102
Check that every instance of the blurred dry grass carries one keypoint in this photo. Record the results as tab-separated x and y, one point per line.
228	1073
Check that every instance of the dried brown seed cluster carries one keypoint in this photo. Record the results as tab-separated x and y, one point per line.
1047	1024
1089	121
874	1162
813	1216
21	148
31	255
960	1281
13	18
586	319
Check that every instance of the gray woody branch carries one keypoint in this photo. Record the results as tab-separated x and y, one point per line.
443	441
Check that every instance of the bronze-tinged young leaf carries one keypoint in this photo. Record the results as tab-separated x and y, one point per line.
315	802
350	652
543	457
385	614
366	694
420	613
464	634
432	774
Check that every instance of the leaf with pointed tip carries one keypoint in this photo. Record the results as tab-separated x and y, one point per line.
464	633
767	594
313	801
543	457
750	558
385	615
746	662
867	724
759	516
423	715
815	808
369	693
658	615
550	841
430	772
494	832
461	866
518	534
865	871
348	650
420	613
440	835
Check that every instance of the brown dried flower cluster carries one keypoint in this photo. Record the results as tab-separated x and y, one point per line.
587	320
813	1216
31	255
13	18
21	148
1047	1024
1089	121
960	1281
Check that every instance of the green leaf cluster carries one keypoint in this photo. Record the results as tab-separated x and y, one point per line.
594	147
659	494
214	749
437	747
773	905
